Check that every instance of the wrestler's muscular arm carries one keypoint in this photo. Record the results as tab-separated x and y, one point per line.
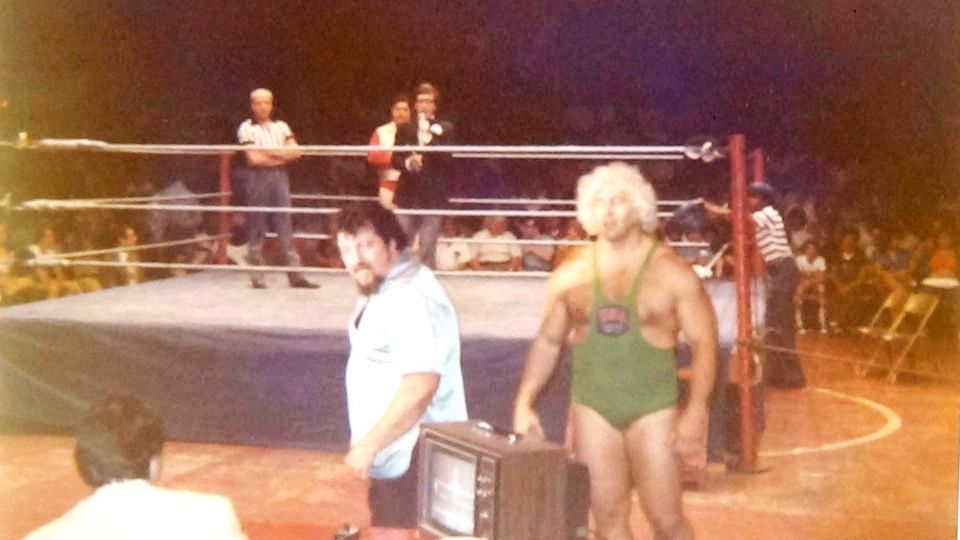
543	354
698	323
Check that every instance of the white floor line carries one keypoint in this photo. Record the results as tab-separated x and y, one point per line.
893	423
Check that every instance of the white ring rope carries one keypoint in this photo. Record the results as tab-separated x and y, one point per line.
621	157
463	200
53	205
561	242
142	202
322	197
511	242
547	202
53	261
303	236
321	236
138	247
150	198
572	151
87	205
84	203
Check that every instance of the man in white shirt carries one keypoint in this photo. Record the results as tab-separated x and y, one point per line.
118	448
783	369
500	251
452	252
267	184
404	364
535	257
812	268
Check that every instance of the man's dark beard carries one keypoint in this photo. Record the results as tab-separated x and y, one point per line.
373	287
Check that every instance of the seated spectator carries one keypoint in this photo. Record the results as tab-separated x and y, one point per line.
14	286
573	232
811	268
893	265
129	275
118	449
327	254
51	279
535	257
795	223
869	240
87	278
942	280
552	226
689	251
943	261
493	253
672	232
452	252
849	274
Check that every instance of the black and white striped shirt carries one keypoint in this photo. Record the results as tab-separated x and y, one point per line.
771	235
272	133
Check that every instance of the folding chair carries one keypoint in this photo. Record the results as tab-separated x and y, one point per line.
888	311
883	322
919	307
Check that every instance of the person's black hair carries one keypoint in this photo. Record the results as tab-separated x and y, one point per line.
116	440
811	242
371	214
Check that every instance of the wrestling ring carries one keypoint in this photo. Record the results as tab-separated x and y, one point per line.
257	363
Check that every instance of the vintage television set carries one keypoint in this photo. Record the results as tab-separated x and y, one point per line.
486	483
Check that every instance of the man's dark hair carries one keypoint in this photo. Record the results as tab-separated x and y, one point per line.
811	242
371	214
401	97
116	440
428	88
763	191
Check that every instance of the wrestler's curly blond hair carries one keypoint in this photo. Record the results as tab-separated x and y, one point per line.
616	176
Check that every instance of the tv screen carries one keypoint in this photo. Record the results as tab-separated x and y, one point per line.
452	489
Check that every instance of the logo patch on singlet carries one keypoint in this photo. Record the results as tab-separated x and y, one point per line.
612	320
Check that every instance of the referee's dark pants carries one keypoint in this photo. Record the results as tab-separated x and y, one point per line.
270	187
782	369
393	502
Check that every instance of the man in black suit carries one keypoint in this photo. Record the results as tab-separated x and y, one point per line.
424	176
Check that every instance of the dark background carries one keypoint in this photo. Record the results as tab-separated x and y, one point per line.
867	90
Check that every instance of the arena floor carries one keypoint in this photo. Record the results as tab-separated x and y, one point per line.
847	457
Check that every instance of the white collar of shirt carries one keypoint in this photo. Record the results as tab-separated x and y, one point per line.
405	266
423	130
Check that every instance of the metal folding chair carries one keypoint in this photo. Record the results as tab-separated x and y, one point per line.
914	317
884	322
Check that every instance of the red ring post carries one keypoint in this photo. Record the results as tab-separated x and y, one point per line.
742	274
758	163
224	228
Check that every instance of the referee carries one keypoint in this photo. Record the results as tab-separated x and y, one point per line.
267	184
783	369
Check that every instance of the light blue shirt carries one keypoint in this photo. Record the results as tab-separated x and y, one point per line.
408	326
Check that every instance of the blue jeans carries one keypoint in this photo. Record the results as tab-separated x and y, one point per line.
269	187
782	368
